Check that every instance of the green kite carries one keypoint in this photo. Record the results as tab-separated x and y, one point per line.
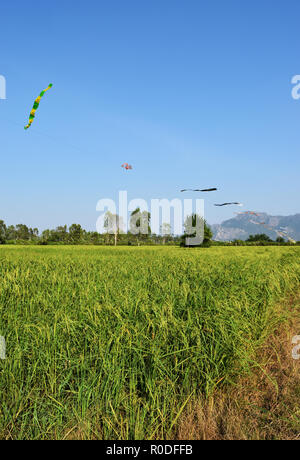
35	106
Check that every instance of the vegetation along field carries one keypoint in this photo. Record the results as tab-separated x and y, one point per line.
120	343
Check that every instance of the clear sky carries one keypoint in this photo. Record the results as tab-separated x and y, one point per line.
191	93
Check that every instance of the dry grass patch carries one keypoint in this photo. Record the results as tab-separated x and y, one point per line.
263	405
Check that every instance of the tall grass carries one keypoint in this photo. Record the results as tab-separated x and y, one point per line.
111	343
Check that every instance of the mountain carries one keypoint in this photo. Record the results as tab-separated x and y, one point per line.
243	225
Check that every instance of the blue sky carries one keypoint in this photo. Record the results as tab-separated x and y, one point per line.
192	94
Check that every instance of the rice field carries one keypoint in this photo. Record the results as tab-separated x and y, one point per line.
113	343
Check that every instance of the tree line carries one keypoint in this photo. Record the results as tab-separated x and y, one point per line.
139	234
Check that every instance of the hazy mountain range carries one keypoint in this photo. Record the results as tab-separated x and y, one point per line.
243	225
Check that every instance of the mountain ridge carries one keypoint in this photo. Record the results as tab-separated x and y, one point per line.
244	225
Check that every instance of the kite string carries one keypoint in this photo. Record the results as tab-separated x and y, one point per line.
43	134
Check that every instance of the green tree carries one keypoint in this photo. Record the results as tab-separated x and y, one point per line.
75	233
61	233
3	232
165	231
139	225
262	237
22	232
202	231
46	236
113	225
11	233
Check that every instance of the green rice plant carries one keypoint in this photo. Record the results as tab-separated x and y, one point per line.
112	343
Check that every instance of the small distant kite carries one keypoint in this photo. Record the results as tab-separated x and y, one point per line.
126	166
229	204
257	223
252	213
35	106
197	190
